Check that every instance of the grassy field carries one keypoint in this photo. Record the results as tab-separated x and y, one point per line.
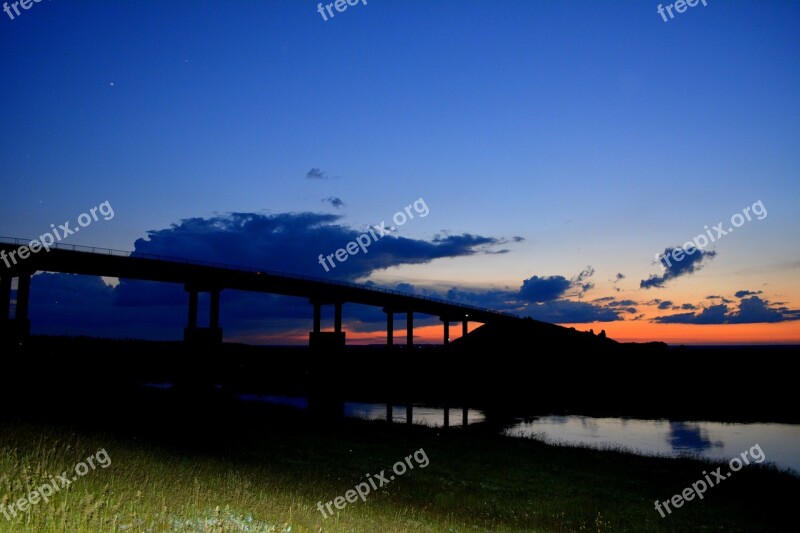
262	473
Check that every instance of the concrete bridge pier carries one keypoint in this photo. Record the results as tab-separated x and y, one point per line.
446	320
15	331
327	340
326	397
389	327
410	329
199	373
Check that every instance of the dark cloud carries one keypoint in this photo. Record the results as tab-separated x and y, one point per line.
316	174
559	311
619	277
688	265
583	275
501	300
751	310
543	289
586	287
710	315
292	242
665	304
568	312
547	288
334	201
721	298
742	294
581	283
754	310
687	307
619	305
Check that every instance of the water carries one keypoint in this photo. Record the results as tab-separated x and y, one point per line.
718	441
714	440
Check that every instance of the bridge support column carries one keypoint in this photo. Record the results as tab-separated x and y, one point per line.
409	413
326	340
5	296
199	366
197	336
23	296
446	417
446	331
465	417
326	393
317	317
213	321
389	327
410	329
464	327
389	411
15	331
21	321
337	317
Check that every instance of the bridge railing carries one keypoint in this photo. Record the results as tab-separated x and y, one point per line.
139	255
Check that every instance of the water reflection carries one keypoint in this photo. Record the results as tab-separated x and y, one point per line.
714	440
426	416
689	437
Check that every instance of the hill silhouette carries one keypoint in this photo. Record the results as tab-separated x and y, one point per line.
513	334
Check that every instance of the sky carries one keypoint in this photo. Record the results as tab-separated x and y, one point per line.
555	149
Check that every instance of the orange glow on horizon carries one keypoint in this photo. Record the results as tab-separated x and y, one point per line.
623	331
422	335
643	331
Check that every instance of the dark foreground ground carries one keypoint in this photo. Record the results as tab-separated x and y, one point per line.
747	384
203	464
196	460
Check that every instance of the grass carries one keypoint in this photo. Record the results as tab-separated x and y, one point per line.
259	474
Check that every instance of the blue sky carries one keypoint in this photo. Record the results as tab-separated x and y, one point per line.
564	135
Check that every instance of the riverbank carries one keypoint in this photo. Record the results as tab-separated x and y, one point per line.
194	466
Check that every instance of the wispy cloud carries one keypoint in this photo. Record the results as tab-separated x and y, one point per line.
334	201
688	265
316	174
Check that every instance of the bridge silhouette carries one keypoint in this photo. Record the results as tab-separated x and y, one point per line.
199	276
18	262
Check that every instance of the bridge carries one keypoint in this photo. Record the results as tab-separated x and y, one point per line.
18	261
